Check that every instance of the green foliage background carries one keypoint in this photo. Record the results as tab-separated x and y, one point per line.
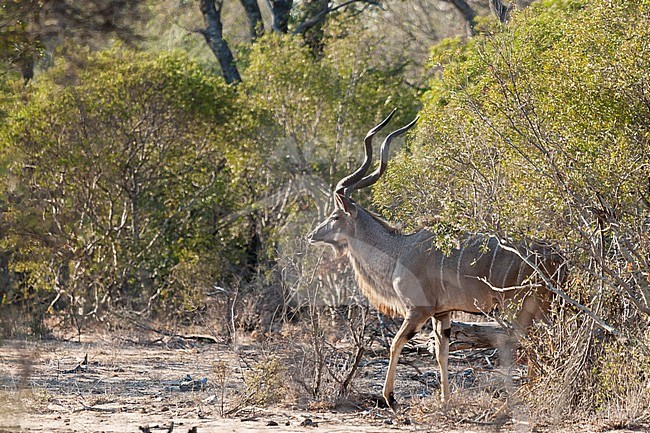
116	172
140	180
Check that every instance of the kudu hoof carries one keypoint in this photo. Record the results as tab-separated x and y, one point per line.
392	403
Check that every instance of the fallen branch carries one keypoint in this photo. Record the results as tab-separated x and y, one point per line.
481	335
198	337
96	409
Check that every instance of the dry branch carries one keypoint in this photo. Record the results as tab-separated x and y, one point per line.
198	337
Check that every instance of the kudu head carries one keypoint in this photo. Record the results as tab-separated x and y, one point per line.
340	226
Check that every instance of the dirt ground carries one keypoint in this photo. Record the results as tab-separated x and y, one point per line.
107	384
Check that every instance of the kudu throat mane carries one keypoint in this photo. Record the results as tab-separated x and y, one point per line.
380	240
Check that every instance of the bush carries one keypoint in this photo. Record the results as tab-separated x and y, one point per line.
122	180
539	129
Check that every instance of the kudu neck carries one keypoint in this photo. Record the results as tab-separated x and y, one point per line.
373	234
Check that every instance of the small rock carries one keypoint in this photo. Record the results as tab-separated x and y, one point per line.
308	423
272	424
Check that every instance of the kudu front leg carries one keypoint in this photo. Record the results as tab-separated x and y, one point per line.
442	332
411	326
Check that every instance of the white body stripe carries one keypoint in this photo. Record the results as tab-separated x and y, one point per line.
522	266
460	259
442	266
494	254
505	275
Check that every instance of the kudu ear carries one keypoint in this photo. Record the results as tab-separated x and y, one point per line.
346	204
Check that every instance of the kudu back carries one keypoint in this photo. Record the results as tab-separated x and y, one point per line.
406	275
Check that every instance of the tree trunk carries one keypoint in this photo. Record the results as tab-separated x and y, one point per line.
500	10
27	66
280	9
213	34
256	25
468	14
312	26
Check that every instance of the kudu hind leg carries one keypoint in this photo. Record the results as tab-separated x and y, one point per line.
411	326
442	332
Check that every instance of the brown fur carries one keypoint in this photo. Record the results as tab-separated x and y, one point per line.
390	228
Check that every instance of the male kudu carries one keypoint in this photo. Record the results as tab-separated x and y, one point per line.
406	274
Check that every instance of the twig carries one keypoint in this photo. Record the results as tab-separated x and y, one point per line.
348	379
561	293
96	409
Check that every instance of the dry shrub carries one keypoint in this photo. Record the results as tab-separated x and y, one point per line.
266	382
321	357
623	373
30	320
473	406
579	371
260	380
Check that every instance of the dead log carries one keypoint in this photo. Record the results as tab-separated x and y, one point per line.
478	335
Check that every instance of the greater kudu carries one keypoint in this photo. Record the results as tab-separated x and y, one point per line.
406	274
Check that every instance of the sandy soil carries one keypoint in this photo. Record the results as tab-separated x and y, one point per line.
107	385
127	387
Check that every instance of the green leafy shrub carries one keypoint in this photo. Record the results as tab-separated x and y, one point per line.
123	178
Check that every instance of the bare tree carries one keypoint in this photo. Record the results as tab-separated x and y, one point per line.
309	25
30	28
500	10
467	13
316	13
